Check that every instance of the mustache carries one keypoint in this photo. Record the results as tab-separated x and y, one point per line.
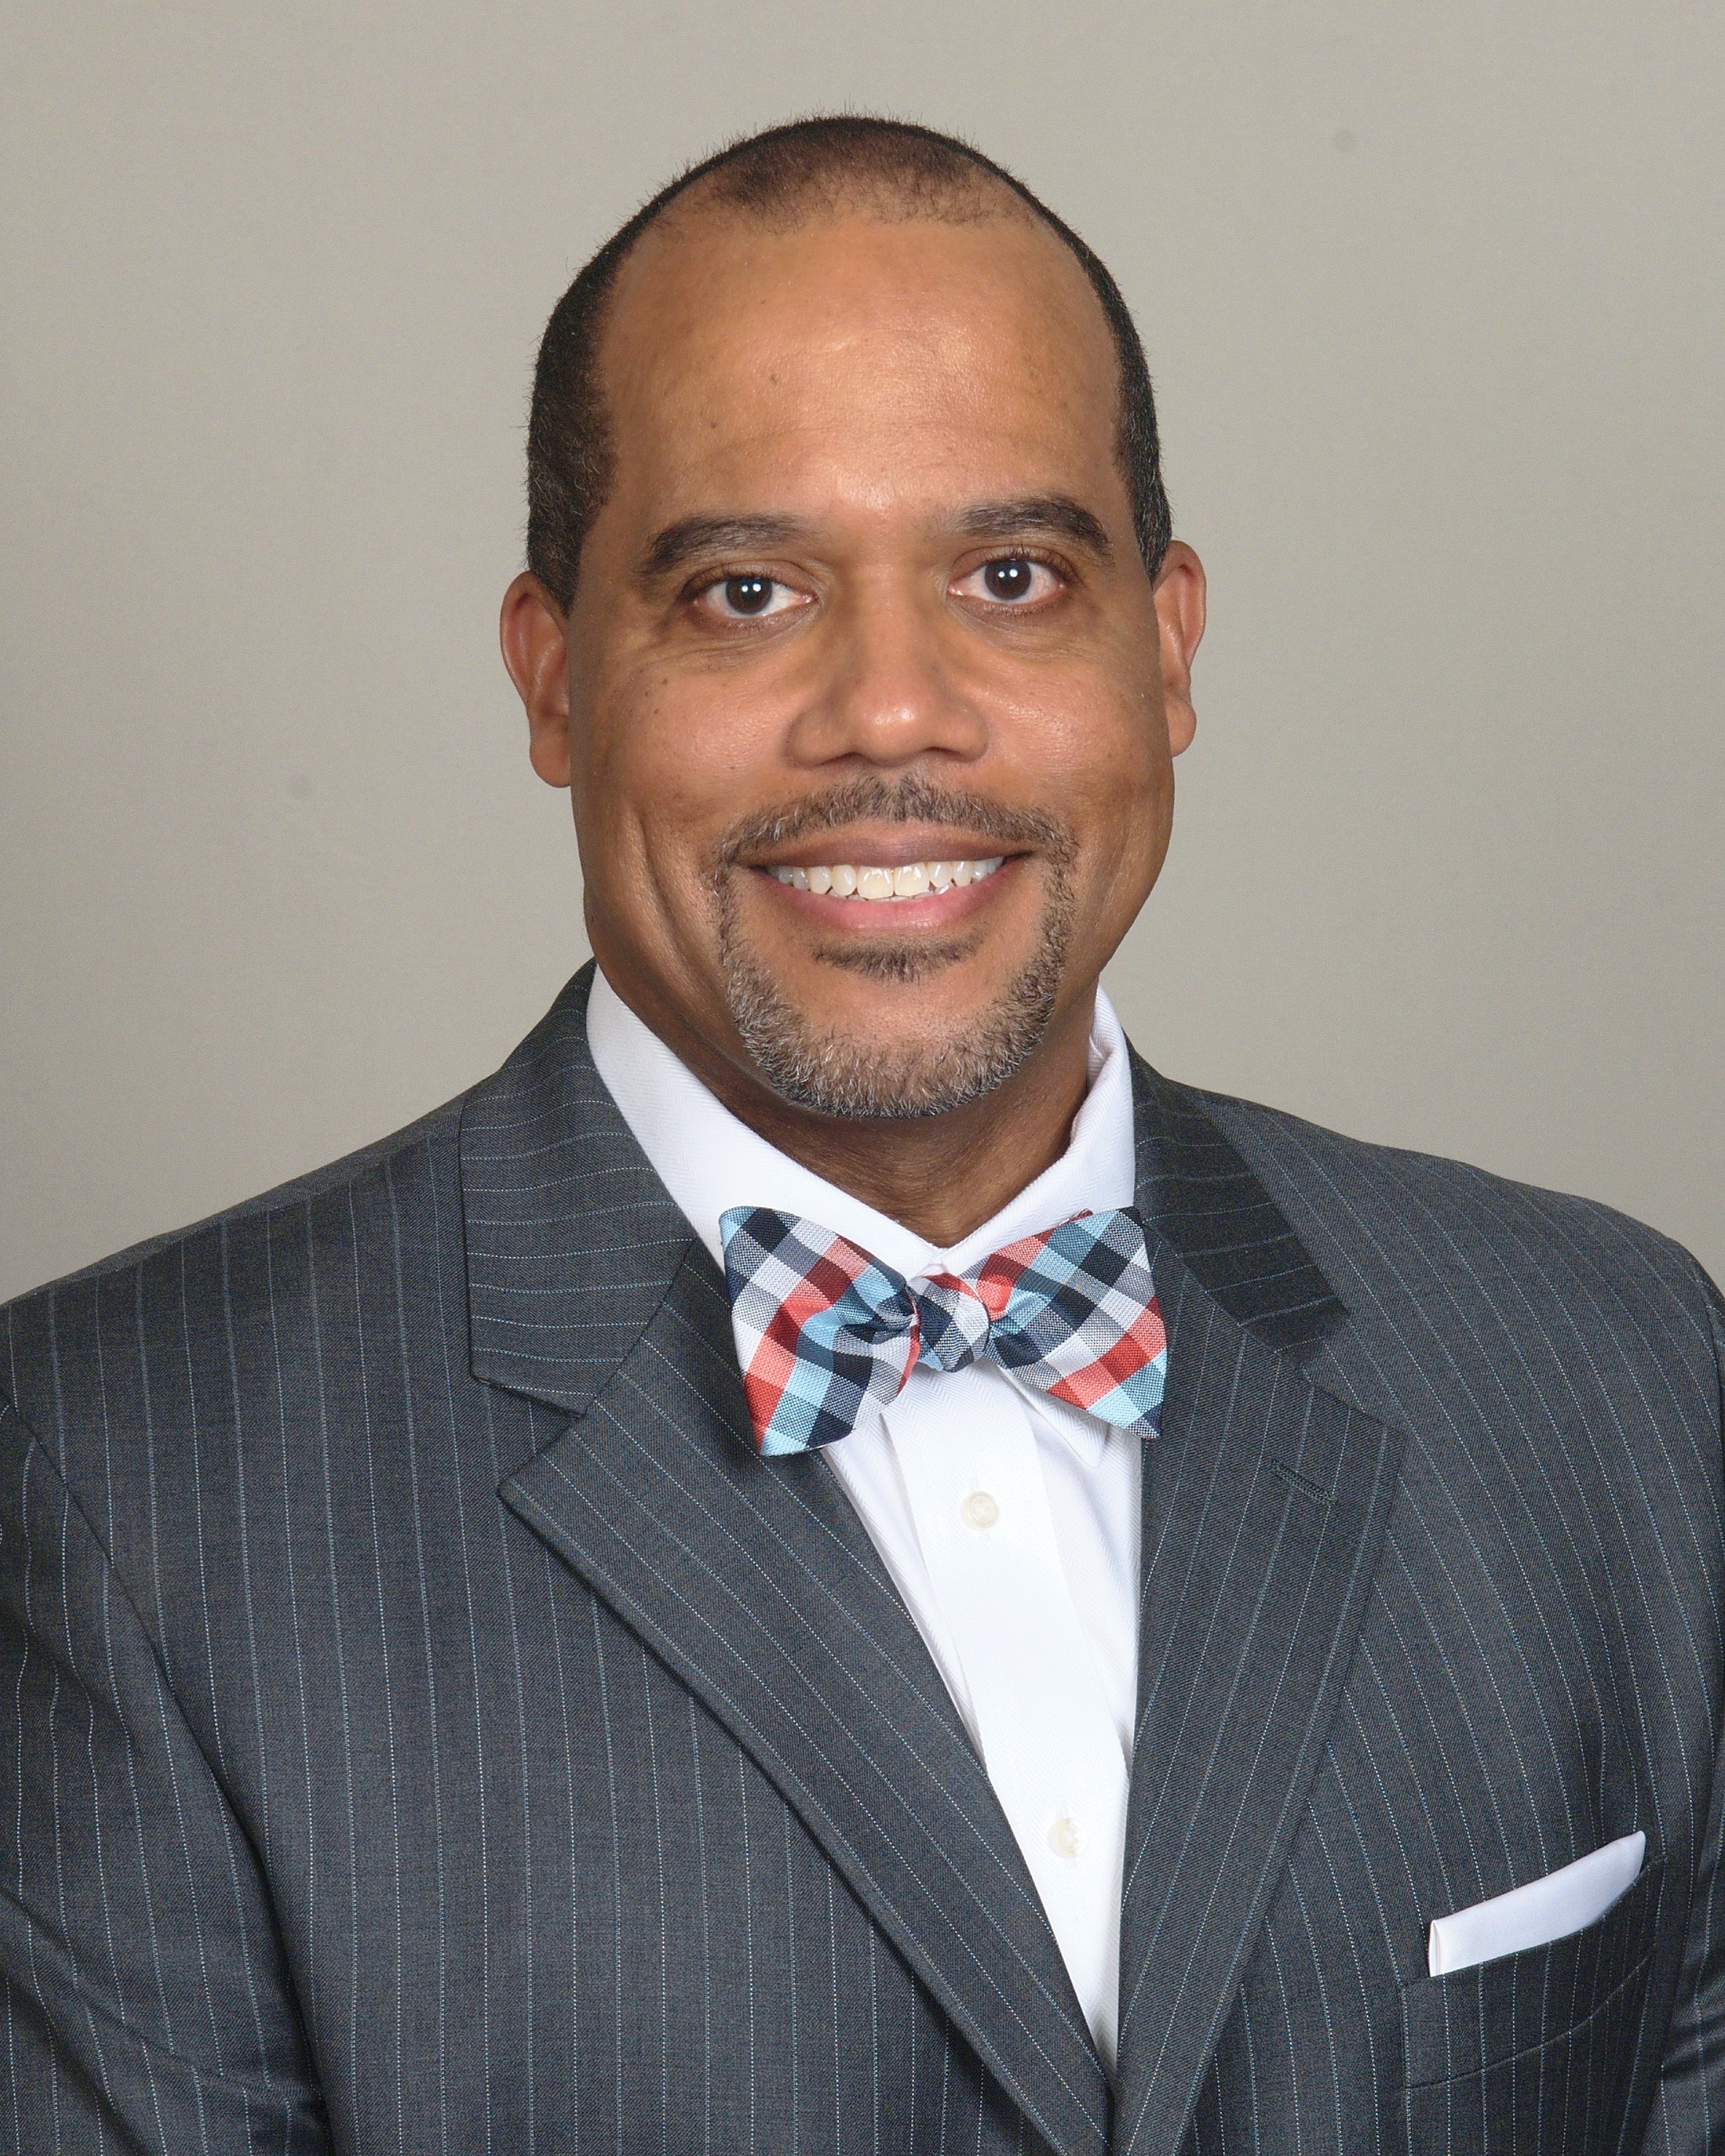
871	798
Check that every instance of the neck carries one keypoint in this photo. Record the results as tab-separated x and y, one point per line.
942	1176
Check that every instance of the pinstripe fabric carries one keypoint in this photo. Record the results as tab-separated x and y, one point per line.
1537	1670
401	1761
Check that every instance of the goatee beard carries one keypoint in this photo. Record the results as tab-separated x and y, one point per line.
907	1077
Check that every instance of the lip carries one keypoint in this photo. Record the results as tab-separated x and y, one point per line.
903	916
895	848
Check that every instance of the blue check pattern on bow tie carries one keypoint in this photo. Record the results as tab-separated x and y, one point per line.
823	1329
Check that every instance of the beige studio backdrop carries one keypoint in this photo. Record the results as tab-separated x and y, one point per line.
1435	306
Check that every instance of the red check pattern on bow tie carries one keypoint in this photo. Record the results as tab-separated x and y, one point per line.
824	1330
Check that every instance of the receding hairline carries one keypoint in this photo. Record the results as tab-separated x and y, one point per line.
964	191
869	199
984	198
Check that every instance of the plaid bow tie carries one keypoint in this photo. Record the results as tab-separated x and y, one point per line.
823	1328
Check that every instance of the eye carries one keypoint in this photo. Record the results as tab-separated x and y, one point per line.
749	597
1014	580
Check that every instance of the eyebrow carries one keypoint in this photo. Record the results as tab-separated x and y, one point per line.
690	536
1037	512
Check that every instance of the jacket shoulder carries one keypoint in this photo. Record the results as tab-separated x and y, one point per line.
209	1276
1391	1226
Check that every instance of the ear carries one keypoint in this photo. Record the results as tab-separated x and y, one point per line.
1180	614
534	635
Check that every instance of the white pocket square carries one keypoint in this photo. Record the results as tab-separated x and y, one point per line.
1533	1916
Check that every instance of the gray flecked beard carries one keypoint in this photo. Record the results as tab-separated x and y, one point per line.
897	1080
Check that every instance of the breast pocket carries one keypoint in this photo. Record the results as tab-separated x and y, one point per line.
1534	2049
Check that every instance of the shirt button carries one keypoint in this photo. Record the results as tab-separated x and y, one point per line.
1066	1838
979	1510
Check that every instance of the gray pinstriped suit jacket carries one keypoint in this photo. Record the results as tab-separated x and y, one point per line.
435	1730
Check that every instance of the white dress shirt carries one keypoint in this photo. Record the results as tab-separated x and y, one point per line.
1008	1521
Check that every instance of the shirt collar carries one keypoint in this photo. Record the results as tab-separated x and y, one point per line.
710	1161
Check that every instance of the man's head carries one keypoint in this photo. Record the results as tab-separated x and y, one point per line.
848	559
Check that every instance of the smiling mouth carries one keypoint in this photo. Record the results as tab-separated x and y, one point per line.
880	885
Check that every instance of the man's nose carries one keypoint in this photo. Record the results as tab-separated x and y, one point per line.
892	689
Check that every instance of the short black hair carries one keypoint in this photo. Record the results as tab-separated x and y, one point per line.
781	174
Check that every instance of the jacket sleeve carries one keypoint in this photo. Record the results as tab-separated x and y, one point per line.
147	2003
1688	2116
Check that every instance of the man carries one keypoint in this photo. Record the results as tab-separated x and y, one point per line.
827	1561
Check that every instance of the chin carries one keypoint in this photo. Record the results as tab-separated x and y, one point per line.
902	1056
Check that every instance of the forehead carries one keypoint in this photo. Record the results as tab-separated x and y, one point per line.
855	350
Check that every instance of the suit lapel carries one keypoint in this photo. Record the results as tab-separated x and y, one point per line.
753	1580
1264	1504
1206	1204
1264	1501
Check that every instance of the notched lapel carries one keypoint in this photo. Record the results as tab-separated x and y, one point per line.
754	1582
1203	1198
1264	1502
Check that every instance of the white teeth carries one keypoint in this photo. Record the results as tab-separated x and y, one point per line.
913	880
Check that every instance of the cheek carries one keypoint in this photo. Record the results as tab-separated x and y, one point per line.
664	771
1108	758
1118	798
